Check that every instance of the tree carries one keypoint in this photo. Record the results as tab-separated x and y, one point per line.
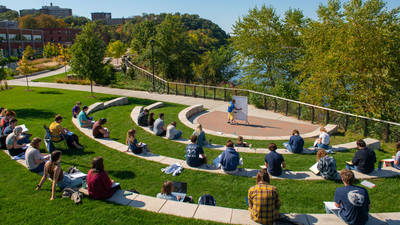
76	21
116	49
24	69
29	52
47	21
28	22
64	56
88	54
9	15
50	50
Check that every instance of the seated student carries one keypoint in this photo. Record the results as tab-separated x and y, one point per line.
76	109
364	159
274	161
241	143
58	133
396	163
230	158
151	121
296	143
98	182
12	145
99	131
133	144
143	119
5	121
166	191
33	158
53	170
323	140
172	132
201	136
84	120
264	203
327	165
159	126
193	153
353	201
24	137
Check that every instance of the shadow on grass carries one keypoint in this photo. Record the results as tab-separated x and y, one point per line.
33	113
79	152
122	174
50	93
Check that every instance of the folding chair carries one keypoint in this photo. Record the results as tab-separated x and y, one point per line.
49	143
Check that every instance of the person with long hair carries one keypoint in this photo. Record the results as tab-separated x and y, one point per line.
166	191
100	186
327	165
151	121
12	145
53	170
133	144
240	142
201	136
323	140
34	160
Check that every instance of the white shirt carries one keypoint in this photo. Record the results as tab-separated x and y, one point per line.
171	131
325	139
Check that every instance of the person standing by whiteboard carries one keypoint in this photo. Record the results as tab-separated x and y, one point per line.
231	115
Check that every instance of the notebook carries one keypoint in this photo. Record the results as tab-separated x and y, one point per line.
331	206
314	168
180	189
78	175
24	129
368	184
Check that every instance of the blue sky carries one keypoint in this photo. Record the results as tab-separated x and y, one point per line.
222	12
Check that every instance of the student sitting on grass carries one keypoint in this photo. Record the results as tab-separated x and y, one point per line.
84	120
151	121
5	121
274	161
166	191
241	143
172	132
35	161
12	145
230	158
396	163
201	136
323	140
99	131
143	119
353	201
193	153
76	109
296	143
22	139
327	165
364	159
58	133
159	128
53	170
264	203
98	182
133	144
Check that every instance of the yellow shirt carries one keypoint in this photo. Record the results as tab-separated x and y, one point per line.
55	131
264	203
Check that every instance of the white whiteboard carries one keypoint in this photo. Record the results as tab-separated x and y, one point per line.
241	103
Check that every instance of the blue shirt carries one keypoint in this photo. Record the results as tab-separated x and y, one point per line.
231	107
274	161
193	152
133	147
75	109
296	143
82	117
229	159
353	203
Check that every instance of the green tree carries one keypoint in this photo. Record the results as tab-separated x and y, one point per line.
29	52
116	49
88	54
76	21
24	68
9	15
50	50
28	22
64	56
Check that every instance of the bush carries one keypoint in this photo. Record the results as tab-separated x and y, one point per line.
108	75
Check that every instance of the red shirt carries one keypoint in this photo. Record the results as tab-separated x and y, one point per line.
99	185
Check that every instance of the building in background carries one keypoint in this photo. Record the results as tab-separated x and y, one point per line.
8	24
13	41
107	18
4	9
49	10
64	36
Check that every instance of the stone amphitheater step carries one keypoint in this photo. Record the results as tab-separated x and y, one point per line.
297	175
223	214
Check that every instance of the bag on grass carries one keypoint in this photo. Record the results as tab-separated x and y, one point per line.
207	199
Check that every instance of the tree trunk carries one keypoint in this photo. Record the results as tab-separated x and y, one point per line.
27	85
91	87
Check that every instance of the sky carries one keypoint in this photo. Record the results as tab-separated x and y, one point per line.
222	12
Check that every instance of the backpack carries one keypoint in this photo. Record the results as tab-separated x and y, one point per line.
207	199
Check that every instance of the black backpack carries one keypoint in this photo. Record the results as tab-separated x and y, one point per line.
207	199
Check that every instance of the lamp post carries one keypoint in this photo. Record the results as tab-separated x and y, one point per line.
152	61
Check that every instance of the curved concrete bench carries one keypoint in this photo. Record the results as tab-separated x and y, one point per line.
222	214
116	102
297	175
185	114
154	106
189	114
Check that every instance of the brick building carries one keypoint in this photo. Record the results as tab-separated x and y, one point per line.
64	36
13	41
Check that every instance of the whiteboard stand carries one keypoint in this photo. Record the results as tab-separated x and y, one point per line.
241	102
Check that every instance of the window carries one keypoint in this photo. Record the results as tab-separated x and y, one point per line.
3	36
26	37
37	37
59	38
12	37
59	32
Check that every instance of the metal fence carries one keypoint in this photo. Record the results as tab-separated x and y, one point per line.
366	126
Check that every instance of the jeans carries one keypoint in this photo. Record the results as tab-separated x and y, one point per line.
69	182
288	147
178	135
324	146
39	169
351	167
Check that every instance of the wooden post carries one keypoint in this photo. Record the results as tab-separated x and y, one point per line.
167	88
176	89
265	102
387	136
204	96
275	105
184	88
327	117
287	108
224	94
194	91
346	123
365	127
312	114
215	94
299	111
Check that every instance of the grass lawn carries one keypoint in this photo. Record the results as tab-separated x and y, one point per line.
19	201
52	79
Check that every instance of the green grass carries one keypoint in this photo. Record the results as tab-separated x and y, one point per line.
52	79
19	202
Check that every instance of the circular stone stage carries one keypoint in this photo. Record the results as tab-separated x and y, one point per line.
215	122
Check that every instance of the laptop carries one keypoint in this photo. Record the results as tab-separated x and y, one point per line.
179	189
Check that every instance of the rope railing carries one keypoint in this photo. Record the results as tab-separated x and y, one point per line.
302	110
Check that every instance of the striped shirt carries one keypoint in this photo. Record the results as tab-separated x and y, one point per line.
264	203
